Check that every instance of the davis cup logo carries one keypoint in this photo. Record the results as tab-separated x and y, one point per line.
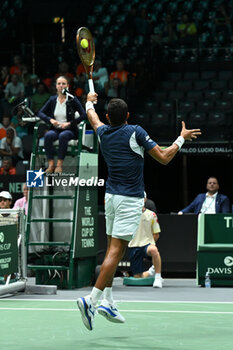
228	261
1	237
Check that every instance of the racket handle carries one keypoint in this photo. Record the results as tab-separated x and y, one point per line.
91	87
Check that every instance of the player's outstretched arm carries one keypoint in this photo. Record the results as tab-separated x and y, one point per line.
164	156
91	114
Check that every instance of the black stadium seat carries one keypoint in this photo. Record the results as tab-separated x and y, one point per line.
175	95
166	107
230	85
225	75
208	75
191	76
200	85
151	107
175	76
211	95
197	119
184	85
141	118
183	116
160	119
205	106
159	95
194	96
218	85
227	95
217	119
167	85
223	106
186	107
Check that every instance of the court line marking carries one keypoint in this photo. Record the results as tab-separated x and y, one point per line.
132	311
126	301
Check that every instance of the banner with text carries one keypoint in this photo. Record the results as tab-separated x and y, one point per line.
86	230
219	228
207	148
8	250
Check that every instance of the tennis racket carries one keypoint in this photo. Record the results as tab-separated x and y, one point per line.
87	55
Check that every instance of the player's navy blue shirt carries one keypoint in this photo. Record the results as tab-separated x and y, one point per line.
123	150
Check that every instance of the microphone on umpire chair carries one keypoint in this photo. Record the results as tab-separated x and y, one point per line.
24	102
28	111
66	92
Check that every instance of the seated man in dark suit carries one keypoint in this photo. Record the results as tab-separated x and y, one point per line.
211	202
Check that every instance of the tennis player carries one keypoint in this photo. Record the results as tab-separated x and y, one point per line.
123	147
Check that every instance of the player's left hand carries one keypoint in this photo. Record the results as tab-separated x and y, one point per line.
189	134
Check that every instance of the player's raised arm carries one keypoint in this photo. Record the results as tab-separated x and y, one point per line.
91	114
164	156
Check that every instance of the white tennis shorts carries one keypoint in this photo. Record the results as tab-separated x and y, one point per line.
122	214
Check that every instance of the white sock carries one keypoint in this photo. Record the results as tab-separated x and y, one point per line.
151	271
95	295
158	275
108	294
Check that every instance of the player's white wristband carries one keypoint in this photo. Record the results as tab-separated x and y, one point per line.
89	105
179	141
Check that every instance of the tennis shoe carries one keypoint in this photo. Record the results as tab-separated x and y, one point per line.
158	282
110	312
87	310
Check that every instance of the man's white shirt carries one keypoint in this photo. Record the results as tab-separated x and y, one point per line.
209	204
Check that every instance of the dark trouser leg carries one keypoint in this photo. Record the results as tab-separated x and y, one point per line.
50	137
64	138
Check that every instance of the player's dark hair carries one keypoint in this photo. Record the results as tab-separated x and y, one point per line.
212	177
117	111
